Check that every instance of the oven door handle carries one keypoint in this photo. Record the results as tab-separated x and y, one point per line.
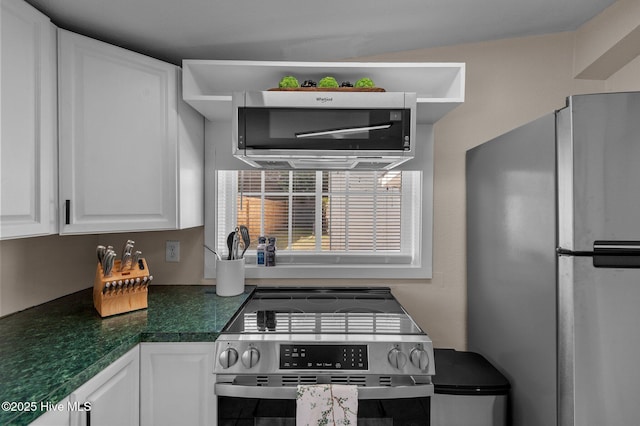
289	392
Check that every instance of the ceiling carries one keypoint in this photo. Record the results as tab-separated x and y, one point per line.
309	31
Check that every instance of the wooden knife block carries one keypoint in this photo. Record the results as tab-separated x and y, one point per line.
119	298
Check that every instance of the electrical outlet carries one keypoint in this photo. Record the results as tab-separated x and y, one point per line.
173	251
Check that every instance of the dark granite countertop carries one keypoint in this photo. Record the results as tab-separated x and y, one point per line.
48	351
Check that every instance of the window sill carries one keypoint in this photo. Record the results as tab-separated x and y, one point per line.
301	271
302	267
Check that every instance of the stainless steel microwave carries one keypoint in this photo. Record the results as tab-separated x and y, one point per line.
324	130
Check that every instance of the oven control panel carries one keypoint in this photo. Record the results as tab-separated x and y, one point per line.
252	355
324	357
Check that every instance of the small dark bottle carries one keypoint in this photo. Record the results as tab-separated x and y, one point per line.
270	253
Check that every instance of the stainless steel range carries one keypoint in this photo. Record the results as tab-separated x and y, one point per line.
283	337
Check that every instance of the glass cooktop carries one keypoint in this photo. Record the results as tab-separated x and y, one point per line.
367	310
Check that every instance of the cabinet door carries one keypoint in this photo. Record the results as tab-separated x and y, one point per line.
28	156
56	416
112	397
176	384
118	138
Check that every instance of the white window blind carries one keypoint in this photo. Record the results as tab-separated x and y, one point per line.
324	217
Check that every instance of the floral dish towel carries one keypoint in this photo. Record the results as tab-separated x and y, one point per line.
327	405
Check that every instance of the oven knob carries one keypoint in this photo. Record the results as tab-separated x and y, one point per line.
419	358
228	357
250	357
397	358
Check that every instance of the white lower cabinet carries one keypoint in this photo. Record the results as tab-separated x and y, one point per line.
56	416
113	395
153	384
176	384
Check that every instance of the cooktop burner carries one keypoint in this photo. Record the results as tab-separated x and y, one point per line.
322	311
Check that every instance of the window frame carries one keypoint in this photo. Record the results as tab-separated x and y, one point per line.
409	208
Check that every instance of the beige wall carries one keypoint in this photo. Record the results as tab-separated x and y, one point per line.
36	270
627	79
508	83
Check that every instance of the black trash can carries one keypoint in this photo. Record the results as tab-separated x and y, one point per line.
468	391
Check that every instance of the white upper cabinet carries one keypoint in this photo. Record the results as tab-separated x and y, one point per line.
28	156
131	152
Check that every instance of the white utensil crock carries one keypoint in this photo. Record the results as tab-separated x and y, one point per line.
229	277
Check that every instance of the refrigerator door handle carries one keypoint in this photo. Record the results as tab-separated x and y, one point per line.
566	252
610	254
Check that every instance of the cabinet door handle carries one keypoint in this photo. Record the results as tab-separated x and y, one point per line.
67	213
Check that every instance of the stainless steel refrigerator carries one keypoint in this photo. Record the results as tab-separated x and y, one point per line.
553	243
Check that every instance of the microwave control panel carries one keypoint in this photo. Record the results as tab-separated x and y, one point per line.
325	357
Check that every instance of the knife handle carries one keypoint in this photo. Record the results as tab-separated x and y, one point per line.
123	290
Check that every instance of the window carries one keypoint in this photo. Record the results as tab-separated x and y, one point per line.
341	218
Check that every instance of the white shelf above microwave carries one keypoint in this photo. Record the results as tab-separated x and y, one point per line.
208	84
